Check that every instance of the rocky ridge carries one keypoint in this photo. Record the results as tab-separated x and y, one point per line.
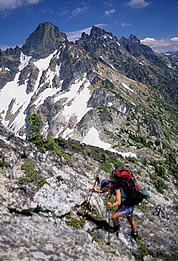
133	59
51	221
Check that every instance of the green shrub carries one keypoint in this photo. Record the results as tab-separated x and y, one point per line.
31	174
157	142
174	172
142	250
160	185
94	238
74	222
144	161
114	160
61	142
160	171
49	143
35	125
106	166
77	147
40	141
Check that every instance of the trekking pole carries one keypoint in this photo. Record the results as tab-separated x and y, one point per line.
108	243
108	211
96	181
89	196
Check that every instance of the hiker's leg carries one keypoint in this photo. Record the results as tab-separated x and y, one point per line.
132	223
115	220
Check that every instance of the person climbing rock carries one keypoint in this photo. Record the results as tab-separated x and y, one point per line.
124	209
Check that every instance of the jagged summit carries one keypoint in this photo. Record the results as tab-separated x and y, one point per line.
44	40
132	39
133	59
97	32
134	46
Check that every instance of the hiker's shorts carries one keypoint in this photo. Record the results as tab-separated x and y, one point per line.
126	210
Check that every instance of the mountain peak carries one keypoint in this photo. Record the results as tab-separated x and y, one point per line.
45	39
98	32
131	40
134	39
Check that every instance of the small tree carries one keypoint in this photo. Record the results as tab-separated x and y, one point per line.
35	125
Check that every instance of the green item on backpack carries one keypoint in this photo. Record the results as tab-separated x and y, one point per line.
145	193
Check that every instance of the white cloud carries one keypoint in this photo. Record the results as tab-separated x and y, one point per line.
174	39
73	36
123	24
12	4
78	11
138	3
110	12
162	45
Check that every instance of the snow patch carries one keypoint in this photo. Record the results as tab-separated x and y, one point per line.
169	65
43	64
112	66
92	138
48	92
127	154
126	86
58	68
24	61
107	36
76	103
4	69
110	104
101	57
124	110
15	96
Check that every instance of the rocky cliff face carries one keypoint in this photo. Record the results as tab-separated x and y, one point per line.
133	59
43	208
44	41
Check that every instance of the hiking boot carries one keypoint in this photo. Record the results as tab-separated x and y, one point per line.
114	229
111	229
134	235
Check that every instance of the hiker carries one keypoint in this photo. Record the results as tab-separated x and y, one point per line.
123	209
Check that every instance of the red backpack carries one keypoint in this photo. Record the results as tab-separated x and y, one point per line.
128	182
122	172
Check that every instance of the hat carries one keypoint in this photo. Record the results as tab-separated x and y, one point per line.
104	184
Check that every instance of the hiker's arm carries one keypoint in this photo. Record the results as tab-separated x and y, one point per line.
118	200
96	190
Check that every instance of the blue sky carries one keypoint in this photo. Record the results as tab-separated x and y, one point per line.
153	21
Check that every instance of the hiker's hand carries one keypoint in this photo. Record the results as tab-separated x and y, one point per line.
93	189
109	204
